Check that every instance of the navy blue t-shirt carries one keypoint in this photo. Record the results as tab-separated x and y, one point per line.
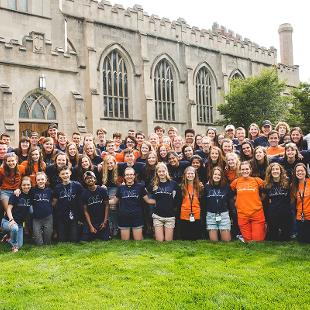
41	202
138	167
216	198
168	198
176	173
204	156
130	198
279	199
21	206
68	200
261	141
94	200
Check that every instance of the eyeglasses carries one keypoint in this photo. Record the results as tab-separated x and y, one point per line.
129	175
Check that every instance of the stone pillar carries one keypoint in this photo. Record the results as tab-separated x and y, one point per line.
286	44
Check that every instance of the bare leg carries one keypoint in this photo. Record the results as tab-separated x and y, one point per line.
125	234
137	234
225	235
159	233
169	233
213	235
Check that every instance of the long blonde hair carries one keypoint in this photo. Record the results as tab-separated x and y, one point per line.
156	177
269	181
105	171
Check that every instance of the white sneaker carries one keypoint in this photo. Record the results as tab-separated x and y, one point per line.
239	237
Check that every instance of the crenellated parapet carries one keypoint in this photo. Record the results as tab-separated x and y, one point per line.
135	19
290	74
35	51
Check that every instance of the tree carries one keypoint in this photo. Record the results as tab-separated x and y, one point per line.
299	111
254	100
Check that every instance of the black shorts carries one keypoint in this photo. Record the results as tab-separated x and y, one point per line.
130	221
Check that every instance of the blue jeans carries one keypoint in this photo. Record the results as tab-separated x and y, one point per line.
16	233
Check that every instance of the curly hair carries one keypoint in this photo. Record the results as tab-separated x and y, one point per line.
269	181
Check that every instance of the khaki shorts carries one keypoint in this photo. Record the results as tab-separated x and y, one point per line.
158	221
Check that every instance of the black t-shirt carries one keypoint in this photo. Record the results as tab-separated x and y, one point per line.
21	206
168	198
215	199
96	160
130	198
68	200
41	202
279	198
94	200
176	173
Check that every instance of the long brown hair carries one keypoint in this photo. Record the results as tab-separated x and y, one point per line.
269	181
219	162
223	181
184	184
31	163
7	169
295	181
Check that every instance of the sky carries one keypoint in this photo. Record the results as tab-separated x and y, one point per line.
257	20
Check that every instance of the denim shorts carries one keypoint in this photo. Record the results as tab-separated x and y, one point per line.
6	194
223	224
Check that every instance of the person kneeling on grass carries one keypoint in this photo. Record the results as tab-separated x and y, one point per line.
42	211
167	195
130	211
95	202
15	215
68	207
251	218
216	199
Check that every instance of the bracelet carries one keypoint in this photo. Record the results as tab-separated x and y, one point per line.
11	220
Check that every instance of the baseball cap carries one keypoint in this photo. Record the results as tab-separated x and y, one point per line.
89	174
266	123
229	127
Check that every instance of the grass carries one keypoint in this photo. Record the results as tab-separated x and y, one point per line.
151	275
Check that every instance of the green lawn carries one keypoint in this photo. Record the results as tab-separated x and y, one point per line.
147	274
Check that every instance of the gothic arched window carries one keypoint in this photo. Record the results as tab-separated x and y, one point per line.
115	86
37	106
164	92
204	96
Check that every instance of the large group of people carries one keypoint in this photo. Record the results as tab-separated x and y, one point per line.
251	185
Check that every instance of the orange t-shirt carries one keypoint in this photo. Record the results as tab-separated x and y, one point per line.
275	151
12	181
306	200
248	200
119	157
186	205
231	175
33	174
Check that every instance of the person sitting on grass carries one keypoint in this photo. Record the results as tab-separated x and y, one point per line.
167	194
68	208
130	211
95	202
42	211
15	215
216	200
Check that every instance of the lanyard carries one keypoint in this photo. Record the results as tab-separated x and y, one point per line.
302	198
191	198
